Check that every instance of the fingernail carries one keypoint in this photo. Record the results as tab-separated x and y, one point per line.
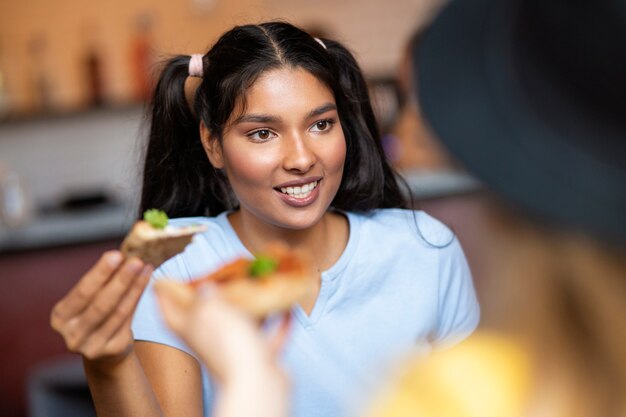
114	259
134	266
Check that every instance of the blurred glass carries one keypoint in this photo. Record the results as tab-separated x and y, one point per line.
15	207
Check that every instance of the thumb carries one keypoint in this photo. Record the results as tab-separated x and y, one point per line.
175	300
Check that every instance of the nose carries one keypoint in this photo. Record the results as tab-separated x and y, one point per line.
298	154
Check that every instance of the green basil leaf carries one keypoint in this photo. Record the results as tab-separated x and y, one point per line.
157	218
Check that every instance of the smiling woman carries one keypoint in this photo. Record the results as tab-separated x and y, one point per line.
281	145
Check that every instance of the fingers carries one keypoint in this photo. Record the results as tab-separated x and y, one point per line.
184	307
94	318
217	320
174	311
104	306
277	341
82	294
119	320
227	339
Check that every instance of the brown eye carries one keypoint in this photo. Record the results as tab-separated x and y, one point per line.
261	135
322	125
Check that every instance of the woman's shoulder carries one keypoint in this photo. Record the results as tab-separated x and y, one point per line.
486	375
395	222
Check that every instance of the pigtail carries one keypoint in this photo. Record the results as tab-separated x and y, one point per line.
369	180
178	177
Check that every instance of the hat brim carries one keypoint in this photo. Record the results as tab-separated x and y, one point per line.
471	97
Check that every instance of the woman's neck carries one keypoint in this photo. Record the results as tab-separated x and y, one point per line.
325	241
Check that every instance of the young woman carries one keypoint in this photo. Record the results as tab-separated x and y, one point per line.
530	97
280	144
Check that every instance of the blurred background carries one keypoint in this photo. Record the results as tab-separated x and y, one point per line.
74	79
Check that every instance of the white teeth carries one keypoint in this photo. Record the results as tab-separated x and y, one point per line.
299	192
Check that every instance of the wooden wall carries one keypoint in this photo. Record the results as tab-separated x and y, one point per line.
375	30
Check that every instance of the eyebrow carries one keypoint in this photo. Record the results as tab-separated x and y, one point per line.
321	110
265	118
256	118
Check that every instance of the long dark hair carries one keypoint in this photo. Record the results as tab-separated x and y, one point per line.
178	177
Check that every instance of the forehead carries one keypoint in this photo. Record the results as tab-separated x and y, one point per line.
286	89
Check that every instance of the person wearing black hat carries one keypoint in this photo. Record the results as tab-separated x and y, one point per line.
530	96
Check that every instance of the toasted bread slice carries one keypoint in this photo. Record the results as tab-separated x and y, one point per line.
155	246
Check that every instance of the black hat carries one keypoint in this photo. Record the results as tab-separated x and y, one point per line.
530	95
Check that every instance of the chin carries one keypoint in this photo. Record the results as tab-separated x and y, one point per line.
299	221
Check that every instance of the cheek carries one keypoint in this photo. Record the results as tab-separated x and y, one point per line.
246	167
336	156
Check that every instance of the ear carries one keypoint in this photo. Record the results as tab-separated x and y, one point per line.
211	146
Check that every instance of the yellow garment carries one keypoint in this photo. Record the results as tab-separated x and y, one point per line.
485	376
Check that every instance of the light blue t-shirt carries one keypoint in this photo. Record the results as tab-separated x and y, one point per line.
402	283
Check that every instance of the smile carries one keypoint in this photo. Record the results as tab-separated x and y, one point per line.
299	192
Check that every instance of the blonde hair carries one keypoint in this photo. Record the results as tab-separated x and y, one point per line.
567	298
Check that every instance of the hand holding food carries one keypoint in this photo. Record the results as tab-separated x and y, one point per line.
230	344
217	316
94	317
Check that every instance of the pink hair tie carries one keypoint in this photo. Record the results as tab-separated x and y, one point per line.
318	40
195	65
